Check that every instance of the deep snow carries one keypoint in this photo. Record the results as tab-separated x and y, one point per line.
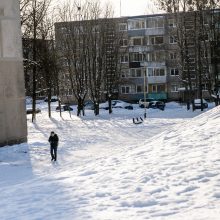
109	168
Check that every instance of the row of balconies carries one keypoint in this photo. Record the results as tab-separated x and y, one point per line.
140	49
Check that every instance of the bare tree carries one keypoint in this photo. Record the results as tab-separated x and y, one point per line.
90	50
48	59
72	40
96	54
214	33
112	60
24	11
33	13
193	38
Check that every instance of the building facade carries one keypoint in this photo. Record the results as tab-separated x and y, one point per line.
151	64
150	58
12	92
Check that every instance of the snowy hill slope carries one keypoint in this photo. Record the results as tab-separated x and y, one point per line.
162	169
179	169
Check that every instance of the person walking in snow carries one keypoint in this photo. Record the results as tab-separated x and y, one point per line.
53	139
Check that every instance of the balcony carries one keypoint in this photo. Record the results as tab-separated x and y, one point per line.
155	31
138	49
156	79
153	64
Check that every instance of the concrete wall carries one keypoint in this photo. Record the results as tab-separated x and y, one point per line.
13	126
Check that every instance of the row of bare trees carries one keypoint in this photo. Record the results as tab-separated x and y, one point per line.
88	41
41	61
84	58
197	34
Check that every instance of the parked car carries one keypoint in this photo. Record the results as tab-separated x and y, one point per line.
89	105
29	100
30	111
157	104
53	99
104	105
146	102
197	103
64	108
121	104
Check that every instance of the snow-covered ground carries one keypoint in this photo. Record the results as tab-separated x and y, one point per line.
108	168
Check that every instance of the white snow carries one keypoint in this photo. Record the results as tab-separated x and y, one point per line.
111	169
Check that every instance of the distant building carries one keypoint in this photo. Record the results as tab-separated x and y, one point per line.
149	59
41	44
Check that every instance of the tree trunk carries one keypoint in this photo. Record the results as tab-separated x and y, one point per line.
49	103
109	104
96	108
80	107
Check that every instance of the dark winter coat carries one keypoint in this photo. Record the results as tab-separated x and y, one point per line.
53	140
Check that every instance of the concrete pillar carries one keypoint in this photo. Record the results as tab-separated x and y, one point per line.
13	125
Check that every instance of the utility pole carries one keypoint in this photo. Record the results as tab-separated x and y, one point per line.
145	110
120	8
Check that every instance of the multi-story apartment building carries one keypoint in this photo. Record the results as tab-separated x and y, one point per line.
149	59
146	69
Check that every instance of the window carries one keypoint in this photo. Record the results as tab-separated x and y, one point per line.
150	23
138	24
150	71
161	88
156	40
69	92
154	88
193	85
155	22
173	40
174	87
158	56
137	57
187	67
123	42
156	72
139	88
133	73
124	58
205	86
125	74
137	41
158	88
174	72
204	54
122	26
63	29
139	72
193	76
160	23
171	22
173	55
96	29
125	89
205	19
